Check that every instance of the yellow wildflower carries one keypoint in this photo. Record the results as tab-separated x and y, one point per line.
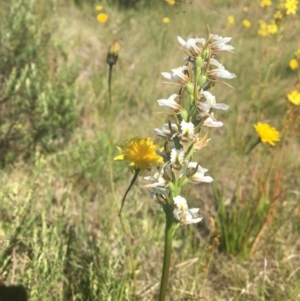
230	20
267	133
263	29
264	3
245	9
278	15
291	6
272	28
140	153
113	53
170	2
294	64
246	23
297	53
99	7
166	20
294	97
102	18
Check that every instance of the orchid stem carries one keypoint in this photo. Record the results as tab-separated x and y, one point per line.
169	231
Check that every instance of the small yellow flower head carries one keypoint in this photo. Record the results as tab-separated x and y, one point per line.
245	9
102	18
113	53
171	2
267	133
291	7
278	15
99	7
140	153
166	20
263	29
297	53
115	47
272	28
264	3
294	64
246	23
230	20
294	97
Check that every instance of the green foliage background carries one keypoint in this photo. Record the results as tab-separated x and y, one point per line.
60	236
38	93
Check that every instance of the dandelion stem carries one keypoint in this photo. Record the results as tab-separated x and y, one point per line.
136	173
169	231
253	146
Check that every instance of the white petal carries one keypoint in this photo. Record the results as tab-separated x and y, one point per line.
180	202
221	106
200	40
187	128
227	48
223	73
200	179
194	210
204	106
193	220
167	75
181	41
170	102
216	63
165	131
209	122
209	97
195	164
177	155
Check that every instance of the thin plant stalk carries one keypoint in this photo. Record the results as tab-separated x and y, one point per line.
110	130
136	173
111	59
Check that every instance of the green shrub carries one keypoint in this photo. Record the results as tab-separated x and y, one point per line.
37	85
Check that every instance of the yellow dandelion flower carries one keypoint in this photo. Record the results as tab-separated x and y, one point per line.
291	7
99	7
294	64
297	53
245	9
267	133
140	153
166	20
171	2
102	18
230	20
263	29
246	23
265	3
294	97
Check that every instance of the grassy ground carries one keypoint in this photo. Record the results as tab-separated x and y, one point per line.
60	236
